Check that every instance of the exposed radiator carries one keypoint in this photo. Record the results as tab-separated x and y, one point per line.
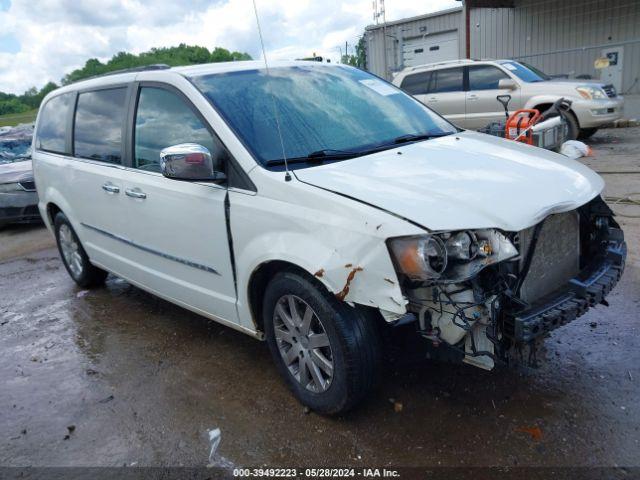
556	258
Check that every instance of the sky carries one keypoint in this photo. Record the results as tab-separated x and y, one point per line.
42	40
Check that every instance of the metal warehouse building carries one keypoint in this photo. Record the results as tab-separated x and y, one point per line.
562	38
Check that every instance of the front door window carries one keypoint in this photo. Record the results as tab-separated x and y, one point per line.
164	119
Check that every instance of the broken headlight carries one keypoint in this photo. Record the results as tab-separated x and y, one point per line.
449	257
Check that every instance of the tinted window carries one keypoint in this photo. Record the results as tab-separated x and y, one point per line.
485	77
416	83
98	125
163	119
449	80
317	107
52	127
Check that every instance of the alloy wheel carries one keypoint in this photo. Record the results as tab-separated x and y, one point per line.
303	343
70	250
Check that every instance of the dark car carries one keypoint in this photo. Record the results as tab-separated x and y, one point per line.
18	197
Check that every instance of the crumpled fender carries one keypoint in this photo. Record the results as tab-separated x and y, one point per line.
338	240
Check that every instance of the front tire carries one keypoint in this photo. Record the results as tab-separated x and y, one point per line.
587	133
327	352
572	125
74	257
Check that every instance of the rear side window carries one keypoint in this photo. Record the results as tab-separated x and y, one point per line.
449	80
416	83
98	125
52	126
163	119
485	77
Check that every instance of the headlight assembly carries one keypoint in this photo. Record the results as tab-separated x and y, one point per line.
449	257
10	187
591	93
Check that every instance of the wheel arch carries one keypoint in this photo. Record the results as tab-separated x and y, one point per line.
260	278
54	201
52	210
542	102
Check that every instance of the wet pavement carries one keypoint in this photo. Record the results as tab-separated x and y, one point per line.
117	376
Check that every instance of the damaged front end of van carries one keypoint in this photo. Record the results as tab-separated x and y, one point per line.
494	295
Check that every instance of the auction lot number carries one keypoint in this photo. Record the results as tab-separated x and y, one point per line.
316	472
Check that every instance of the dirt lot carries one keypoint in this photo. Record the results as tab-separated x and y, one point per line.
116	376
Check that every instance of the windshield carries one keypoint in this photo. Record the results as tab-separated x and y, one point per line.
319	109
526	72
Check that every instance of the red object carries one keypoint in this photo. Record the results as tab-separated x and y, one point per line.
518	122
195	158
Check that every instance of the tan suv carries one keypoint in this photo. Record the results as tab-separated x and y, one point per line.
464	92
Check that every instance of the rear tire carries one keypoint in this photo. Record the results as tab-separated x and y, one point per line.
586	133
332	363
74	257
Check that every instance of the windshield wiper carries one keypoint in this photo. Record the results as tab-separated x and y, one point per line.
318	156
414	137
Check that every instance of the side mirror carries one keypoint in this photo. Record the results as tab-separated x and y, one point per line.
507	84
190	161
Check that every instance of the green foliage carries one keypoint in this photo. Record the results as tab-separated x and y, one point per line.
359	59
12	105
29	100
172	56
361	54
14	119
349	60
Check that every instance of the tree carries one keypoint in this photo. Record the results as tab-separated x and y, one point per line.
349	60
173	56
359	59
12	105
361	54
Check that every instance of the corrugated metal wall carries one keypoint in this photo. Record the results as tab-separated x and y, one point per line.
561	37
398	32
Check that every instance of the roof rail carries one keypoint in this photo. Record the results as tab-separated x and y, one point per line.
448	62
142	68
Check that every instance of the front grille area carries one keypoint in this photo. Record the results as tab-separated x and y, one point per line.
556	258
579	258
610	90
583	293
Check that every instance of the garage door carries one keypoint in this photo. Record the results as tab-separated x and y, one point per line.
436	47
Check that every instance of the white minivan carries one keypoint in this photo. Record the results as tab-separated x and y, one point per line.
321	208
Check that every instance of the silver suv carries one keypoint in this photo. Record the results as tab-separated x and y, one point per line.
464	92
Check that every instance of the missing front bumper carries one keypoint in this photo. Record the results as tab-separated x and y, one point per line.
582	292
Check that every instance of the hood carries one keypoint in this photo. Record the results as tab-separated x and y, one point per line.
565	84
574	81
469	180
16	172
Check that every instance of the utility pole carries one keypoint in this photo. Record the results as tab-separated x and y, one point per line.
378	11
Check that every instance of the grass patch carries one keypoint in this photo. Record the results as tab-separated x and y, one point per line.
14	119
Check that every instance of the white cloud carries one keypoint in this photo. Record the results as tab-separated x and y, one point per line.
57	36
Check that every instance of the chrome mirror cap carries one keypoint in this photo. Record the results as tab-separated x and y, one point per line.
189	161
507	84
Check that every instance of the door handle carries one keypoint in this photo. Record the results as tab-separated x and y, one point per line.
432	100
135	193
472	97
110	188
